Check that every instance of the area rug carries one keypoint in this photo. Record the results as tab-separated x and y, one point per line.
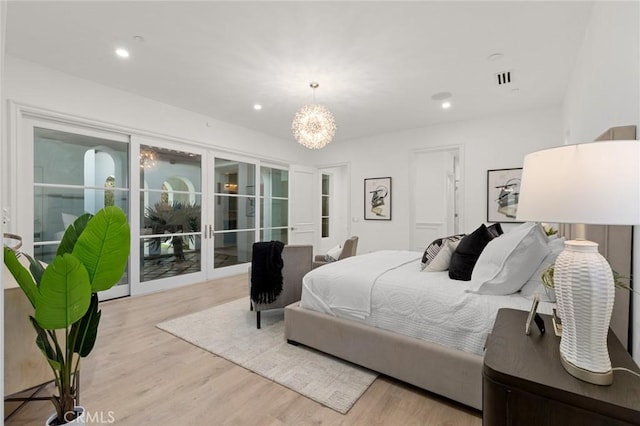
230	332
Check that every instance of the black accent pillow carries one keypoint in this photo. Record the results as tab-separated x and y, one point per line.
495	229
434	248
466	255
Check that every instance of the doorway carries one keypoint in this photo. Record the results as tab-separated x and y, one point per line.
436	177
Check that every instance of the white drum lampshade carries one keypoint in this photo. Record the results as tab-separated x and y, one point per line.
591	183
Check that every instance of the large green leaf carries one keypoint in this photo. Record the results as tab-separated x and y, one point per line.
103	247
87	328
72	233
35	267
21	275
65	293
42	341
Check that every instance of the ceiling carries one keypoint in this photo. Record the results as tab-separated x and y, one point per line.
378	63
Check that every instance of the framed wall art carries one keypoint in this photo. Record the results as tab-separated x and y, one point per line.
503	192
377	198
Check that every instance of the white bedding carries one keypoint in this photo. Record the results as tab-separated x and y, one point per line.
387	290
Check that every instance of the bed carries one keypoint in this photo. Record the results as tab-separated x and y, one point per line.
379	310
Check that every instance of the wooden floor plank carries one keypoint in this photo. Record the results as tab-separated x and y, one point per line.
139	375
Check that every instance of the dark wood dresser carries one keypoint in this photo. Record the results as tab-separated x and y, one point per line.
525	384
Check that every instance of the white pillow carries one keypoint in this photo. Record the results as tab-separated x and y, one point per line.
534	284
508	261
335	252
443	258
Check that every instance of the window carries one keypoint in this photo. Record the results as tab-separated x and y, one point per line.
326	180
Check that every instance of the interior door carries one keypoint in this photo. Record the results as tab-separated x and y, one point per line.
303	205
435	211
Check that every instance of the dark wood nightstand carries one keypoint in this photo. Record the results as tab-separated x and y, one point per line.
525	384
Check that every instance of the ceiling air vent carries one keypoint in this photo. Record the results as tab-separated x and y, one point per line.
503	78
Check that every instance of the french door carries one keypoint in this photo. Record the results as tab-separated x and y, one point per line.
194	212
68	171
248	202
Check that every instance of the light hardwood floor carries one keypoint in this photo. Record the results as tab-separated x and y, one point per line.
140	375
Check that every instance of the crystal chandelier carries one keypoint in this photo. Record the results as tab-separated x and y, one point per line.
148	159
313	125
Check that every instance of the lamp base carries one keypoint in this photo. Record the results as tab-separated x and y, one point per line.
602	379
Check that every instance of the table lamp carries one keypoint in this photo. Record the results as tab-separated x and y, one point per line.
590	183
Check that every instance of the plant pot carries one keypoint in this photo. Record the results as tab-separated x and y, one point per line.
78	421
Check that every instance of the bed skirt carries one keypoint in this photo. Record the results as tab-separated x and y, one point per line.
448	372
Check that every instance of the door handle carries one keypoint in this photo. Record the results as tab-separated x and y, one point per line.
204	231
210	231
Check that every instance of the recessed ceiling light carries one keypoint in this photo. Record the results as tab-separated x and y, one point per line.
122	52
257	107
446	105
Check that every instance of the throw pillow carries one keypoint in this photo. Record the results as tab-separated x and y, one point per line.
495	229
508	261
443	258
434	248
466	255
333	254
534	285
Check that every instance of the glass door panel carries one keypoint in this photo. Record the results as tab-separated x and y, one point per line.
170	213
274	204
74	174
234	220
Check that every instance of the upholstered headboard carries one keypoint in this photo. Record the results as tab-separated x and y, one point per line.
614	243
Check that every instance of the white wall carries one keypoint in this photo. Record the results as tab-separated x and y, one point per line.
3	26
33	84
604	91
488	143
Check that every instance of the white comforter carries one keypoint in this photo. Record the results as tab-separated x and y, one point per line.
387	290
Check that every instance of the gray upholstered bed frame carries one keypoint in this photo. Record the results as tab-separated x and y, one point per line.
445	371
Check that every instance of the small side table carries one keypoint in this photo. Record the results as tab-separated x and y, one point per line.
525	384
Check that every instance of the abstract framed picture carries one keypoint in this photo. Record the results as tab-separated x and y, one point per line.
377	198
503	192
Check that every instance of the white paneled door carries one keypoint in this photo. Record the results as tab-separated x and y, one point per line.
304	205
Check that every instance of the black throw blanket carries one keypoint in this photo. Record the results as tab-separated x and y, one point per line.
266	271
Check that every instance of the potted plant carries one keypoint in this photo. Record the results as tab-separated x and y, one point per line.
173	218
92	257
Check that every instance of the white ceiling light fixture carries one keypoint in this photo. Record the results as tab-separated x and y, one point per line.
313	125
122	52
446	105
257	107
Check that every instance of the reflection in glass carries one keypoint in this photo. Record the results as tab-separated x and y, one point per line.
274	182
281	234
171	213
169	256
56	208
325	227
234	212
86	161
232	248
274	213
274	204
325	184
234	177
